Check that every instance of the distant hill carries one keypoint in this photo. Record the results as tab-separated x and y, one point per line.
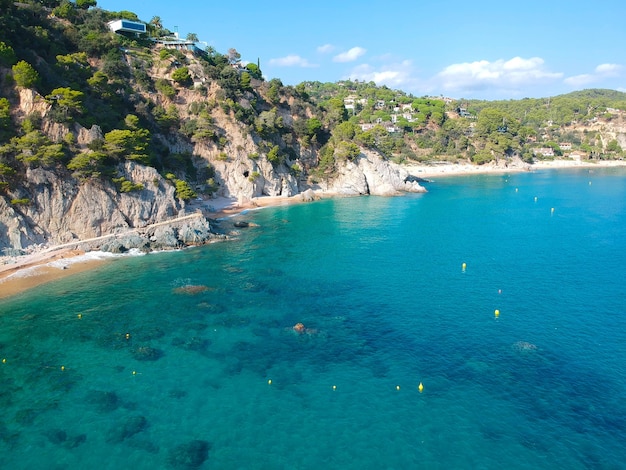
611	98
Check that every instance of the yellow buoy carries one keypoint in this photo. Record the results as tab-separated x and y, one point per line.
334	387
552	210
397	387
127	335
269	382
80	315
420	387
497	313
4	361
62	367
134	372
463	266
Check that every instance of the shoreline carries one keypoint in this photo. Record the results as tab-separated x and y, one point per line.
465	169
34	269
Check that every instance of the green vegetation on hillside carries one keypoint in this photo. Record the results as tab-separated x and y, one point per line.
143	102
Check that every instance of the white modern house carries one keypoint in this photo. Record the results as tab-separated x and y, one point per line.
127	26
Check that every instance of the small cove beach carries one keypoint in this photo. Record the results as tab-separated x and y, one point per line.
21	273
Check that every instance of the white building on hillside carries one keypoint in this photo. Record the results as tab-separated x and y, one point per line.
127	26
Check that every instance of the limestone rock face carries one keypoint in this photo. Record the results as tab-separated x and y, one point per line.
32	102
373	175
62	209
87	136
15	233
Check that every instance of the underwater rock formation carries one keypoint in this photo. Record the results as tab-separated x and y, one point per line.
189	455
128	428
104	402
146	353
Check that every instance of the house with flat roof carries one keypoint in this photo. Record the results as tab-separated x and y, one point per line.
175	42
544	151
127	26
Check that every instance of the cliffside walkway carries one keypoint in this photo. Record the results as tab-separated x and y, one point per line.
14	263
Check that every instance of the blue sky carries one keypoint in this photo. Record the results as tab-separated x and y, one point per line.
462	49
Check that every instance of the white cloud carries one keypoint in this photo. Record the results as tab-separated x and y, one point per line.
601	72
350	56
292	60
509	74
326	49
399	75
580	80
609	69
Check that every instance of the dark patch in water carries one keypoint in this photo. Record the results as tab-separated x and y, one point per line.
189	455
56	436
104	402
60	438
127	428
26	417
197	326
7	435
147	353
177	393
77	440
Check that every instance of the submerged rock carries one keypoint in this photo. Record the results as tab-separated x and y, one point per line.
104	402
177	393
26	417
524	346
191	289
75	441
59	437
128	428
146	353
189	455
56	436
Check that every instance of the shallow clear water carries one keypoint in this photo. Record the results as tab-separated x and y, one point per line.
379	284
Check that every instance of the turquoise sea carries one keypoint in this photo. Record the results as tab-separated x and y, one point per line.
189	360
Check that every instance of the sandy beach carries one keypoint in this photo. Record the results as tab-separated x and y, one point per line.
464	169
20	273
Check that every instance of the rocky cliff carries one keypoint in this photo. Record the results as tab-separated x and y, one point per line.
63	210
370	174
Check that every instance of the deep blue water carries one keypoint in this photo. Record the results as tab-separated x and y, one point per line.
379	284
